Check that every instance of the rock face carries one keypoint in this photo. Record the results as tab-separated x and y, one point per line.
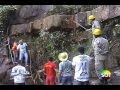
27	13
32	18
5	66
20	28
37	15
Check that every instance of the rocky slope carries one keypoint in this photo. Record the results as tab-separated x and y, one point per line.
32	19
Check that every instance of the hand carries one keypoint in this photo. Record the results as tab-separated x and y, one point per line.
88	30
39	71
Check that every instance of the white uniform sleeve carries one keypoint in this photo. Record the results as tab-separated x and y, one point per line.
25	72
73	61
90	58
14	72
98	46
97	24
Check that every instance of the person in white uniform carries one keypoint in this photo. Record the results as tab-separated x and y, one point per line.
101	50
81	64
18	73
23	52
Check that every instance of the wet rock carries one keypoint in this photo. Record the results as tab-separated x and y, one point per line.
67	21
117	72
111	62
5	65
20	28
47	23
27	13
94	82
31	13
81	18
115	79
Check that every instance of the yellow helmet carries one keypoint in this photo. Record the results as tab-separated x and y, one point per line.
91	17
97	32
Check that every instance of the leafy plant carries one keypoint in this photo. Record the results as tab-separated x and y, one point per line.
4	14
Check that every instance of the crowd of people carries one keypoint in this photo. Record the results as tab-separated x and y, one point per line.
69	72
20	60
76	71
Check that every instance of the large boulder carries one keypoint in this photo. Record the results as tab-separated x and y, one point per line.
27	13
81	18
37	15
47	23
105	12
20	28
5	65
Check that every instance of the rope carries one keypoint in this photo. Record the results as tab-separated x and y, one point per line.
30	67
10	51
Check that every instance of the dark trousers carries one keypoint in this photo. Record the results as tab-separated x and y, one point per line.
19	83
66	80
81	82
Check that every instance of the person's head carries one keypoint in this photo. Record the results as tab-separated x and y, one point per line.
21	41
81	50
50	59
91	18
97	33
63	56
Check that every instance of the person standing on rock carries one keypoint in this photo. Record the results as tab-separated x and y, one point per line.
18	73
65	69
50	71
15	52
81	64
95	23
23	52
100	46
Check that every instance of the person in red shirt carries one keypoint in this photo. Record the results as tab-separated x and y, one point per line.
15	52
50	71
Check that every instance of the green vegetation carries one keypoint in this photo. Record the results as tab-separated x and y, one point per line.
4	16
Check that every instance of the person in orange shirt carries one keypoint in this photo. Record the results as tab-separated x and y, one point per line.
15	52
50	71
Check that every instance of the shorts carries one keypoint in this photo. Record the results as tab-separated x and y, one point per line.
50	80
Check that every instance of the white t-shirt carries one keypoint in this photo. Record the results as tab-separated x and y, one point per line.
19	72
81	64
22	47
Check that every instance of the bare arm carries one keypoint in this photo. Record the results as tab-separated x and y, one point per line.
39	71
14	72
